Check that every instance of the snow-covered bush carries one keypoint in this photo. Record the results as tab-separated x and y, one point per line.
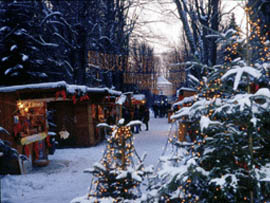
6	153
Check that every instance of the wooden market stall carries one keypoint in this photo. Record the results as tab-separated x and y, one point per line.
77	116
111	115
138	99
124	107
185	97
74	113
184	92
23	114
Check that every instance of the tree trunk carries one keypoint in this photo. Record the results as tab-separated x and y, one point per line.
183	16
214	26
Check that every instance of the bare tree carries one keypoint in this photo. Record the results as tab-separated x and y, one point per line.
200	19
173	61
258	12
142	65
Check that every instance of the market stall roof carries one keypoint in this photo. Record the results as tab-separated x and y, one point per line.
138	97
70	89
128	93
186	89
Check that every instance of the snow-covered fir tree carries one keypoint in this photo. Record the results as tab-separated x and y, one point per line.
117	177
28	43
227	158
232	49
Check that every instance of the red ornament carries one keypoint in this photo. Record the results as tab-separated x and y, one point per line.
74	99
257	87
17	128
61	93
85	97
48	142
26	151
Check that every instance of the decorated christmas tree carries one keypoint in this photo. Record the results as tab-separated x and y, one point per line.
117	177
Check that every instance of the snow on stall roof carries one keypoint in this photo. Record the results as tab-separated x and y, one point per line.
184	89
138	97
187	89
48	85
73	88
61	84
114	92
128	93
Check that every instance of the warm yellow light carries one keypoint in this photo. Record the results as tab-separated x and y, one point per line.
20	105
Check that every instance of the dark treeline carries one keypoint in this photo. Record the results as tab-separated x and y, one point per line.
50	40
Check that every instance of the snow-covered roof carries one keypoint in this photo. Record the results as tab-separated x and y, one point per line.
186	89
163	80
71	89
139	97
128	93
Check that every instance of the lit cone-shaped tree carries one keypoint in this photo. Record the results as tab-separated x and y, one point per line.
117	177
232	49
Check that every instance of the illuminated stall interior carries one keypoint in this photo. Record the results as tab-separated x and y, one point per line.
34	113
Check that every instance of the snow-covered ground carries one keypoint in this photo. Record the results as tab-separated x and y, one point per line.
63	179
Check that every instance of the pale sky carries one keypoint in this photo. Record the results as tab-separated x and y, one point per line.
168	26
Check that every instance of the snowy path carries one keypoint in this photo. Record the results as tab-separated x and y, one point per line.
153	141
64	179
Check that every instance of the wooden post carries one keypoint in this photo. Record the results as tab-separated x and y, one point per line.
91	126
250	138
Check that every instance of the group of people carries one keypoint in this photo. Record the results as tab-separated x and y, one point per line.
141	113
161	109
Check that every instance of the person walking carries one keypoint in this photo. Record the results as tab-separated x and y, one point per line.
146	118
136	117
155	109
